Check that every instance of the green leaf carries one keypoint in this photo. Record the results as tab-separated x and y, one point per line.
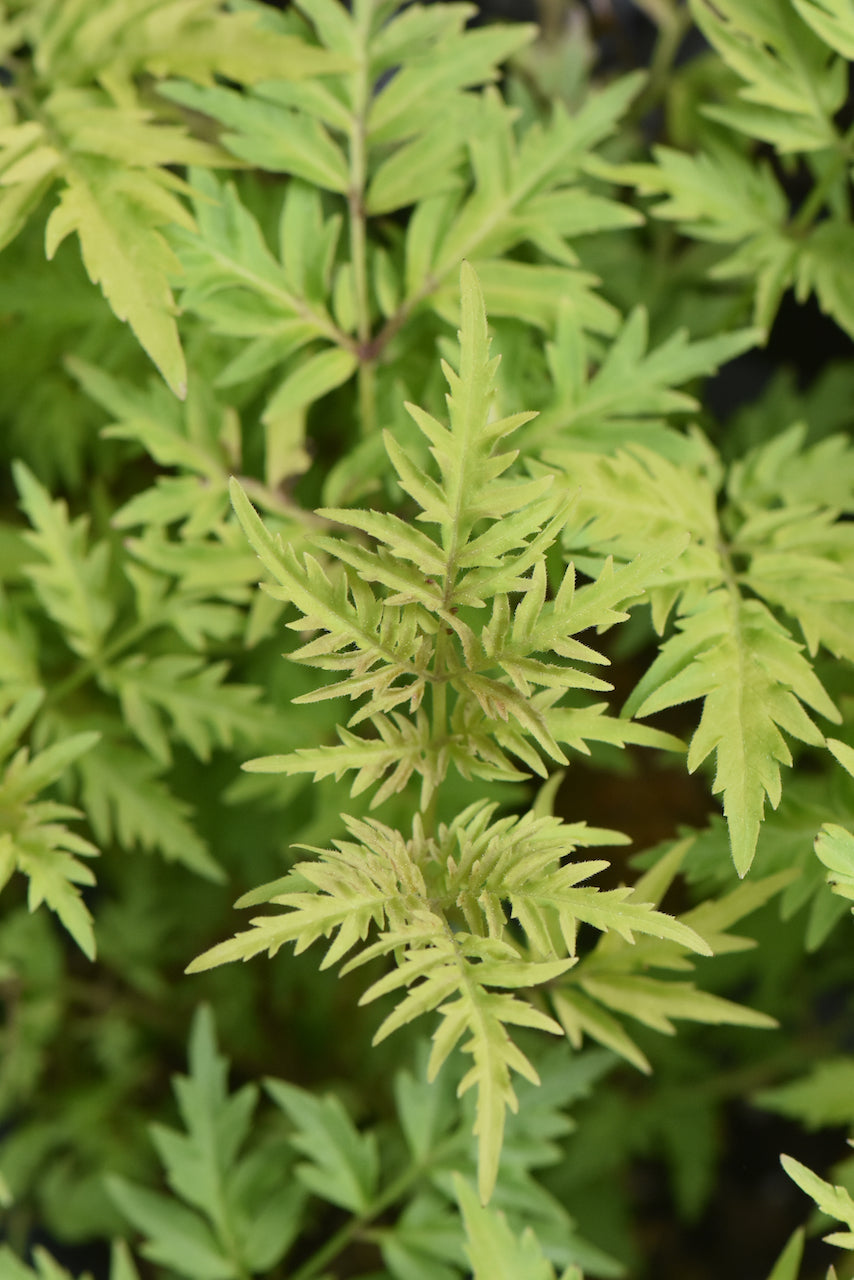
316	376
243	1213
176	1237
70	581
127	802
408	102
822	1098
268	136
823	268
342	1165
725	197
233	280
33	839
633	389
788	1265
786	73
204	712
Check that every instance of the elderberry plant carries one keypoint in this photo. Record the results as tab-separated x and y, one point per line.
289	215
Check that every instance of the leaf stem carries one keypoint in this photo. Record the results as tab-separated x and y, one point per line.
395	1191
809	210
358	220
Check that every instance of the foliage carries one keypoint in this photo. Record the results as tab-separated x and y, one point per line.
238	244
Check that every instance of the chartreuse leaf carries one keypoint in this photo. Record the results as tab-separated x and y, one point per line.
525	189
729	649
792	91
613	981
754	681
34	839
109	211
84	117
834	845
493	1250
478	866
234	1209
834	1201
405	625
633	391
391	619
196	41
832	20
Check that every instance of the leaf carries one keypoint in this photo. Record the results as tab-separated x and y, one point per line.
786	73
494	1252
268	136
239	287
724	197
834	1201
177	1238
197	41
311	380
834	847
788	1265
408	102
127	802
822	268
523	190
33	838
116	214
832	21
753	679
204	712
342	1165
425	1237
820	1099
632	390
229	1230
70	581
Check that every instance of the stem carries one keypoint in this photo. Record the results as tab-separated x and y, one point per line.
393	1192
89	668
358	221
809	210
672	27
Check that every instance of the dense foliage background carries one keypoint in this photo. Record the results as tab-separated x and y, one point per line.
234	237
